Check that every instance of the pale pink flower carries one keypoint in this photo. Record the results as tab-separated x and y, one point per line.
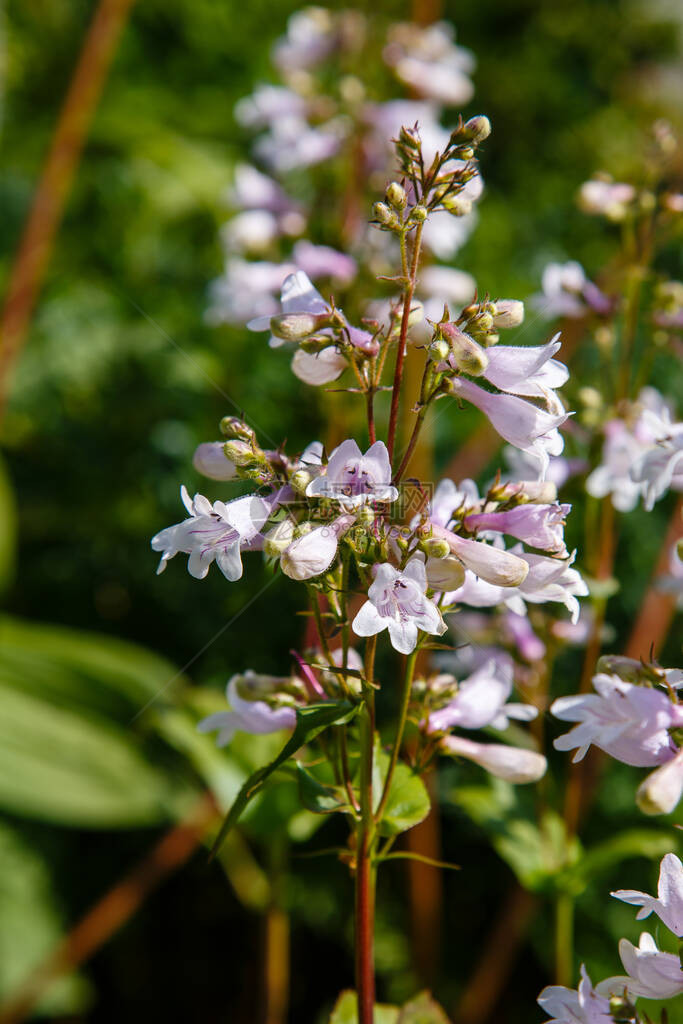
562	287
397	601
427	60
568	1006
353	478
210	460
668	903
318	368
297	296
311	36
519	422
541	526
551	579
480	701
649	973
661	791
609	199
253	716
313	553
214	532
526	370
628	722
323	261
514	764
492	563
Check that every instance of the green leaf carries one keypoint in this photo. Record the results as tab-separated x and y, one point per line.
408	802
310	721
59	766
319	798
633	843
422	1010
345	1011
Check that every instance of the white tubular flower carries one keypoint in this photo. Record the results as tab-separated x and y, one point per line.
552	579
480	700
445	574
568	1006
492	564
524	370
210	460
217	531
449	496
313	554
522	424
630	723
562	285
427	60
668	903
513	764
254	716
541	526
660	469
609	199
661	791
353	478
649	973
509	313
318	368
397	601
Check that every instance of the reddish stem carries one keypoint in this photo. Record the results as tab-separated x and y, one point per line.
365	920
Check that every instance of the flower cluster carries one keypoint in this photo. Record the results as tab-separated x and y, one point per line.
650	973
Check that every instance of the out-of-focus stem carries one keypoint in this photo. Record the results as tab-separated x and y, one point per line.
276	941
402	341
365	839
564	939
58	172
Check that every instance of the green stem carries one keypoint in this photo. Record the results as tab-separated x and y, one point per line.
365	843
398	740
403	337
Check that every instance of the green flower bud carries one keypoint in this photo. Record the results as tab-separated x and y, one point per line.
477	129
396	196
438	350
458	206
468	355
385	217
465	152
418	214
234	427
243	455
297	326
279	538
300	480
435	547
508	313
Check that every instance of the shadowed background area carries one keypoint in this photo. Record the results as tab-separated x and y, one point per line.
117	378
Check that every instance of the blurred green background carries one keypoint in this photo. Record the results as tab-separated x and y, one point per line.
121	378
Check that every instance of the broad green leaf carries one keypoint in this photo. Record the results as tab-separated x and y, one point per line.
319	798
84	670
310	721
345	1011
422	1010
539	856
408	802
60	766
31	924
8	529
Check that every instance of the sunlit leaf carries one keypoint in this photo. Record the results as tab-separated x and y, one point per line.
345	1011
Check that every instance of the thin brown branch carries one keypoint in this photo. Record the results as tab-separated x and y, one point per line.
53	188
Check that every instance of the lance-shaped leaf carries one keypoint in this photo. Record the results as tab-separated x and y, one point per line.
318	797
310	721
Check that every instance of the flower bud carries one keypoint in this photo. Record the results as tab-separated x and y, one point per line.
311	554
467	354
234	427
538	492
444	574
477	129
409	138
435	547
628	669
278	539
508	313
243	455
513	764
385	217
396	196
438	350
315	343
418	214
458	206
663	788
301	478
297	326
465	152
